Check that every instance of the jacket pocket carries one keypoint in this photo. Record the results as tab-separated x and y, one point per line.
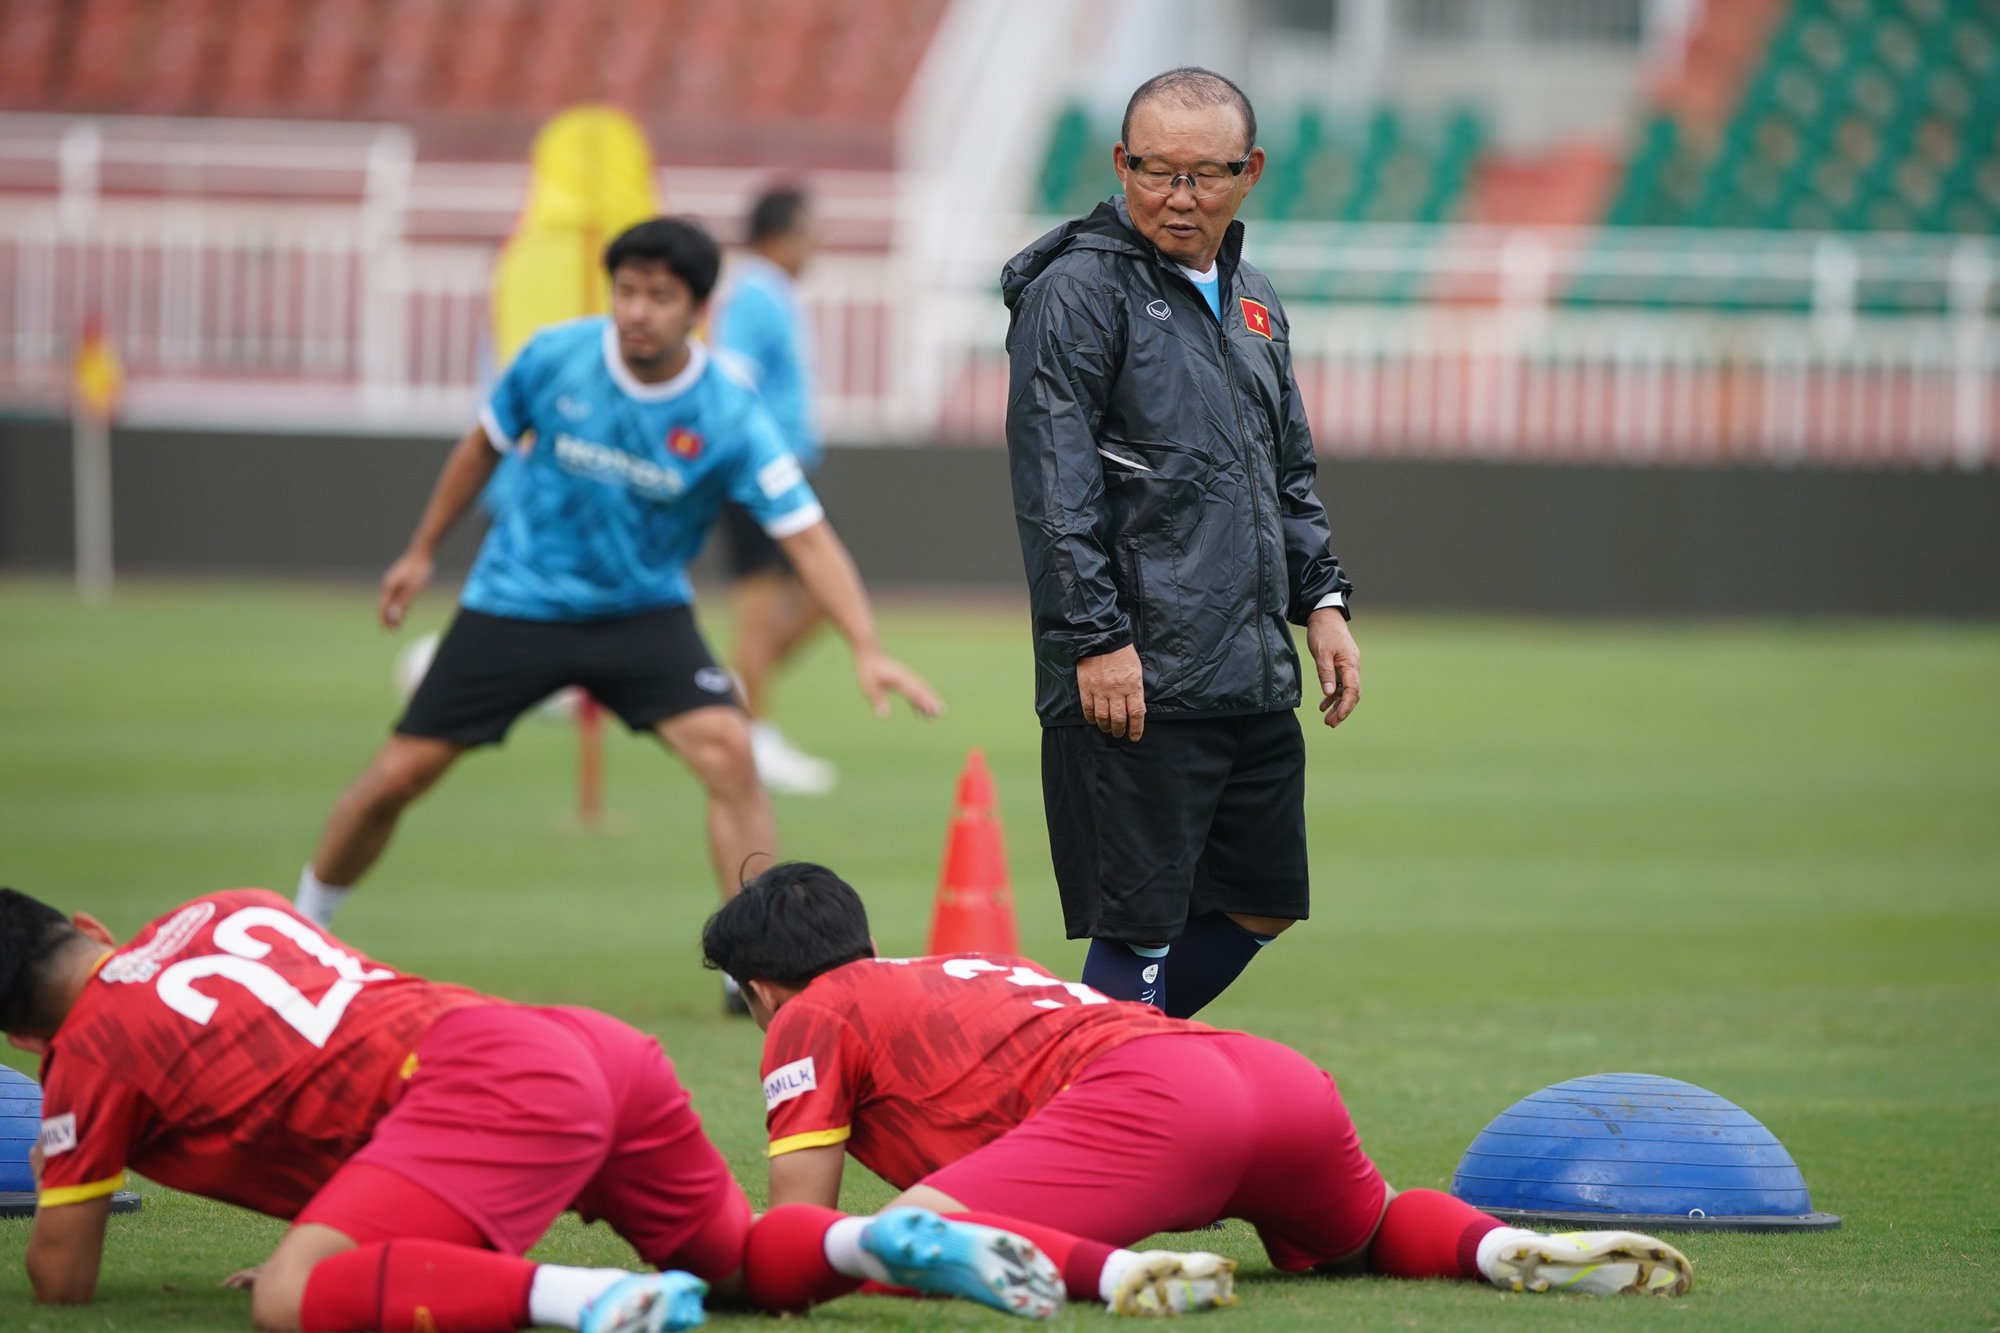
1164	460
1133	578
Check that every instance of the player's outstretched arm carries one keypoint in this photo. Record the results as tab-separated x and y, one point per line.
465	474
827	572
65	1250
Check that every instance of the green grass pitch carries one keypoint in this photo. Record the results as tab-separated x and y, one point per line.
1764	858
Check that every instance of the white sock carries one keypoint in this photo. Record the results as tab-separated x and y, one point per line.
557	1295
760	730
1490	1243
1114	1273
844	1252
318	902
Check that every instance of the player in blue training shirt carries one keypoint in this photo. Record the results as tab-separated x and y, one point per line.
761	325
628	436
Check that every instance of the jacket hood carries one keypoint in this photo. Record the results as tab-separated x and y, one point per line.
1106	227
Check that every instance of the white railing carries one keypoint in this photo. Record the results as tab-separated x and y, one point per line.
334	313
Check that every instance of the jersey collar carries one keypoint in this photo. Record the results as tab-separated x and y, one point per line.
634	387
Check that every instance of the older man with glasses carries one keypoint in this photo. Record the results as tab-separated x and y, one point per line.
1163	485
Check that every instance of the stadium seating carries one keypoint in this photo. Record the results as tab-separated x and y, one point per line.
1881	116
781	81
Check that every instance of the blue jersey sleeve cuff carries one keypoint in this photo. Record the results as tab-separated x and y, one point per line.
797	521
501	440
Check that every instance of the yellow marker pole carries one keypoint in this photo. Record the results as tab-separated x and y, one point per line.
98	380
591	178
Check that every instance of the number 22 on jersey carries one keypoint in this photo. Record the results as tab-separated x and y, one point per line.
242	962
965	969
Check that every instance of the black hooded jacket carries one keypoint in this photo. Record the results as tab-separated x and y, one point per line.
1163	473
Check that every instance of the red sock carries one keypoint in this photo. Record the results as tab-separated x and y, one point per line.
417	1286
785	1264
1428	1234
1081	1260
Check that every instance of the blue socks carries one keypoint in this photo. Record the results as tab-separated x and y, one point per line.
1210	953
1128	971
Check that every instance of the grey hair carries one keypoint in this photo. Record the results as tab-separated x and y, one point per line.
1191	86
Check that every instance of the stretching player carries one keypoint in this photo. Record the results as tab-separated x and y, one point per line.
419	1136
637	438
982	1082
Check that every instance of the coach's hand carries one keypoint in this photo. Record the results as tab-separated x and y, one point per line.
400	586
881	675
1338	658
1113	690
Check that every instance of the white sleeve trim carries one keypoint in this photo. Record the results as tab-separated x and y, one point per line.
499	439
1338	599
795	522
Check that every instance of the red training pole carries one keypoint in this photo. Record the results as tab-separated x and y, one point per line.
589	760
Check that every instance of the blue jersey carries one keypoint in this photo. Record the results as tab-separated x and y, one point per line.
762	324
623	480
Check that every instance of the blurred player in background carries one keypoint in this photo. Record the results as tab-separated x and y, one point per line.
982	1082
762	324
420	1138
633	437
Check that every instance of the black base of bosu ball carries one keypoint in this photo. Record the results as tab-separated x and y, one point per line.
21	1203
1634	1152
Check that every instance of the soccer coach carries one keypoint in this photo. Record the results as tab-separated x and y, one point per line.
1163	486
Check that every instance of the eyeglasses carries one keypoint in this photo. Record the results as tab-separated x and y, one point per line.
1207	179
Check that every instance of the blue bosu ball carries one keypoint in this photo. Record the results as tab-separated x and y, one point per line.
20	1126
1634	1151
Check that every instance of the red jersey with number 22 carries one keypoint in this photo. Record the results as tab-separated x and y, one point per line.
232	1050
914	1062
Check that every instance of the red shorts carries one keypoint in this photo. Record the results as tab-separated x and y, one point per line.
515	1114
1173	1131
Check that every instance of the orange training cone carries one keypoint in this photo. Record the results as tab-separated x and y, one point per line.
975	908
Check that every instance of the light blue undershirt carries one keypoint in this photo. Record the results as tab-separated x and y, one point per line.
1209	284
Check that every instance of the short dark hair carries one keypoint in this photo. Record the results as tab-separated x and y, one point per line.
777	211
687	250
788	925
1191	86
31	933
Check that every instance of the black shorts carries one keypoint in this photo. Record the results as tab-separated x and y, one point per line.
751	549
491	669
1200	815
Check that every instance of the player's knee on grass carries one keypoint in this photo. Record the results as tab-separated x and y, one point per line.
275	1304
278	1295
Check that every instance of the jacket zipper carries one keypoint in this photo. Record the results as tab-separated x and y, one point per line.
1138	592
1250	476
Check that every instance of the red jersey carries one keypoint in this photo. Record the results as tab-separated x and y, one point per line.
231	1050
914	1062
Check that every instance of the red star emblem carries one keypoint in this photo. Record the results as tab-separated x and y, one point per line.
1256	317
683	443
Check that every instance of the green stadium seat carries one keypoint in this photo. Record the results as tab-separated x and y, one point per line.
1864	115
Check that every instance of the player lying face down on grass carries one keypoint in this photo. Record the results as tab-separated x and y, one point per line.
616	440
980	1082
420	1137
